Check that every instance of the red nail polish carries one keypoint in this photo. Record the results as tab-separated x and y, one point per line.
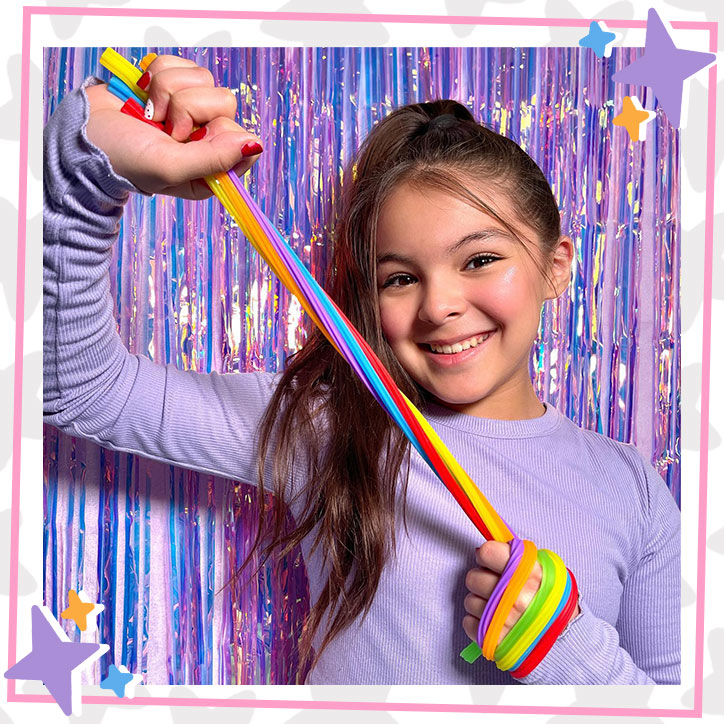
168	126
144	80
251	149
198	134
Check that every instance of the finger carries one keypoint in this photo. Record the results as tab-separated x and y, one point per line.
162	85
161	63
250	150
474	605
197	189
530	588
197	106
205	157
481	582
164	62
493	555
470	626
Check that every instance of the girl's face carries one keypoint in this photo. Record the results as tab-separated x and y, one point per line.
460	300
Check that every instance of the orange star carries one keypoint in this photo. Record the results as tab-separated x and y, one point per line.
634	118
79	609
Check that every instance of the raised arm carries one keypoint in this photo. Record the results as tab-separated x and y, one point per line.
93	387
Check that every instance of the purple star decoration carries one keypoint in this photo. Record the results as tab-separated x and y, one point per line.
663	67
55	660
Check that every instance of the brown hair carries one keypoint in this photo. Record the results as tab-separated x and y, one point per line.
353	469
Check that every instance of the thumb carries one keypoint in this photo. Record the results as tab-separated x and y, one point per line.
493	555
215	153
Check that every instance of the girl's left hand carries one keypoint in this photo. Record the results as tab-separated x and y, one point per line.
492	557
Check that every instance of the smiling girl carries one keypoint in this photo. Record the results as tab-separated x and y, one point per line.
460	298
448	244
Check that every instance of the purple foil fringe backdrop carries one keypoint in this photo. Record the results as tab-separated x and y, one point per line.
156	544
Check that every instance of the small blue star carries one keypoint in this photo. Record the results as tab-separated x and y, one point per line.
599	40
116	680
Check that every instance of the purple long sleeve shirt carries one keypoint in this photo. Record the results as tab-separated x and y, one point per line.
594	501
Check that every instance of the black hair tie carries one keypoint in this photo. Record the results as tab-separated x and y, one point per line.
443	121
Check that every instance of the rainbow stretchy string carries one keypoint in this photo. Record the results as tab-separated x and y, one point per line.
532	636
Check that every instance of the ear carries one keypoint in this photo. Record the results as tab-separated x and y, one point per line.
560	267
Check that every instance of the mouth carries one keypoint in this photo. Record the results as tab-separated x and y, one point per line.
454	348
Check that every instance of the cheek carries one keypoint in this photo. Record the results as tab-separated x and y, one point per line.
512	297
392	318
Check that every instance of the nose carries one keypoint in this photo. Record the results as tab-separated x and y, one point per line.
441	302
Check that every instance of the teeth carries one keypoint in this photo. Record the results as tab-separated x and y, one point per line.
459	346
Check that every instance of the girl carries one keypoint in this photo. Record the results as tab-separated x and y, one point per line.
448	244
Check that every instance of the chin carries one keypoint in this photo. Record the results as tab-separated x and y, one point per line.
456	398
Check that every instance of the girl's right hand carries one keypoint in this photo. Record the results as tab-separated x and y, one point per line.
183	96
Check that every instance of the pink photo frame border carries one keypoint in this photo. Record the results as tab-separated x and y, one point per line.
696	711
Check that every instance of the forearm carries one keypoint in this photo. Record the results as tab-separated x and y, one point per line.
83	203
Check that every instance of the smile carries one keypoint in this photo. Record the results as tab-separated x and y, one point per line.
461	346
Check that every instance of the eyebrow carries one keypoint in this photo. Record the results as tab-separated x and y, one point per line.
479	235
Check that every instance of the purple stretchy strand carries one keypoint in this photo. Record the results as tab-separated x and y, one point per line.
303	284
321	305
291	264
516	553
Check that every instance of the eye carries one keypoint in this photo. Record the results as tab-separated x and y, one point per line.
481	260
398	280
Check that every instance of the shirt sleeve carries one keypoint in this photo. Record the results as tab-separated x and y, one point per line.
92	386
645	645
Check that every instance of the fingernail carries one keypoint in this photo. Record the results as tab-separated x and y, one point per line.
144	80
168	126
148	112
198	134
251	149
132	108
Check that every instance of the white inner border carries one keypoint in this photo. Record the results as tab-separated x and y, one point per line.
118	31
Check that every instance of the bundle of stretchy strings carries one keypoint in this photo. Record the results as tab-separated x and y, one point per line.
532	636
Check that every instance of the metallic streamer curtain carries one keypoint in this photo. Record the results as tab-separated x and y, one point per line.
156	544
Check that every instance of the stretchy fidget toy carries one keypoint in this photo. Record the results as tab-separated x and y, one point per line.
530	639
